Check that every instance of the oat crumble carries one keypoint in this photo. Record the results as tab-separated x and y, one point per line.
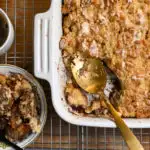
18	107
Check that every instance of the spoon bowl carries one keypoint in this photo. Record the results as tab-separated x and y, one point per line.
89	74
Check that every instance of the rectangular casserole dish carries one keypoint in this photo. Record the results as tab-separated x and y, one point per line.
48	65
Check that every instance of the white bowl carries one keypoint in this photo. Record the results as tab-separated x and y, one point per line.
10	37
6	69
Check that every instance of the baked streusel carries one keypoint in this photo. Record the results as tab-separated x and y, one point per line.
18	107
118	32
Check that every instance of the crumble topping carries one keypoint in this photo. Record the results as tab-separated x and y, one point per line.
18	108
117	32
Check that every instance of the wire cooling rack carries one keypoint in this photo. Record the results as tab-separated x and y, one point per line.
57	134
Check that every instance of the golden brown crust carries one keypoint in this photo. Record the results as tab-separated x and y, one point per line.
2	79
117	32
18	108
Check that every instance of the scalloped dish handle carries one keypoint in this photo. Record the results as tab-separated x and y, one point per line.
42	44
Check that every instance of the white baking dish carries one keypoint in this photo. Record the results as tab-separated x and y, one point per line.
48	65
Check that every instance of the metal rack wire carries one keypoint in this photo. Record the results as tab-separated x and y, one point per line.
57	134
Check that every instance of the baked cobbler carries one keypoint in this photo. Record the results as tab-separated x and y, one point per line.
18	106
117	32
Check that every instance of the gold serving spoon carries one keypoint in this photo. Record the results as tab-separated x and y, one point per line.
90	75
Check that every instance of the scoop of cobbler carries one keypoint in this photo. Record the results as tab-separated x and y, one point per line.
117	32
18	107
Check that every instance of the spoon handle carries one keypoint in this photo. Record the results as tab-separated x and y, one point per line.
131	140
7	142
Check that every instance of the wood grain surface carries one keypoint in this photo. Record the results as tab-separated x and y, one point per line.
57	134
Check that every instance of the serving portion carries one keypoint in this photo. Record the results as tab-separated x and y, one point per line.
117	32
18	107
23	108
